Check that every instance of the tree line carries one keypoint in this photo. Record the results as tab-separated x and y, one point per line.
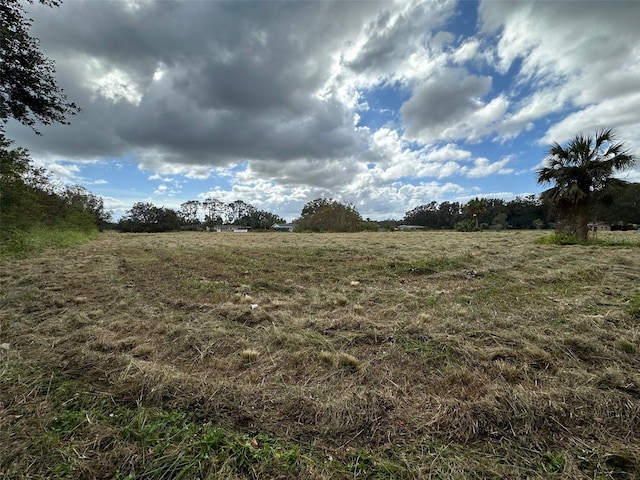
195	215
29	198
329	215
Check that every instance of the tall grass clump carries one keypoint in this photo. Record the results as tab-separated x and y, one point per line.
20	243
569	239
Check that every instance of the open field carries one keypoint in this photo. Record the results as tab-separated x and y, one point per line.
374	355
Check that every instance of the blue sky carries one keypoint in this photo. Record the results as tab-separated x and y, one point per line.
387	105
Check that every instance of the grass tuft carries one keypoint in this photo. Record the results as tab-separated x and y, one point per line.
250	354
348	361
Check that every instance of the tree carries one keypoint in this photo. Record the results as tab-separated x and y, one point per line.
238	210
260	219
215	212
328	215
20	184
526	212
424	215
189	211
146	217
28	197
624	209
28	89
475	208
582	175
78	200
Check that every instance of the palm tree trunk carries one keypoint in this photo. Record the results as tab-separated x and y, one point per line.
582	220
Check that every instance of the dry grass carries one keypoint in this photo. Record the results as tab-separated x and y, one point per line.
374	355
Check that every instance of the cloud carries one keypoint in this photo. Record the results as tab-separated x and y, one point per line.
397	45
599	116
441	103
240	82
581	62
483	167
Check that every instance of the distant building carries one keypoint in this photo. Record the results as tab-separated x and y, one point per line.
283	227
231	229
600	227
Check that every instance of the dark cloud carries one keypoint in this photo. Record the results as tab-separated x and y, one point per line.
442	101
201	82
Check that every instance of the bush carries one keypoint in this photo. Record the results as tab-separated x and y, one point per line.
466	226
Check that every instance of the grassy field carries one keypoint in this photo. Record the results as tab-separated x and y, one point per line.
374	355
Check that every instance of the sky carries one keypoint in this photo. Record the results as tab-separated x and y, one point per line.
386	105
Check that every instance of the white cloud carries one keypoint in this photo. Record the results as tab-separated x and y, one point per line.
623	112
450	152
61	172
588	67
466	52
483	167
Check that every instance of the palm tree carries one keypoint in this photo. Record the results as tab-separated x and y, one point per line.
582	176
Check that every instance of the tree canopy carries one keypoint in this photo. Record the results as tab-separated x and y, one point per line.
29	92
582	176
328	215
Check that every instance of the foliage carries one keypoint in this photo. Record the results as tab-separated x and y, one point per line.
432	215
260	220
624	207
189	214
474	208
28	89
30	205
20	207
466	225
582	175
215	212
328	215
146	217
522	212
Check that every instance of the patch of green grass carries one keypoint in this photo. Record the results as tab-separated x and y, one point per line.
553	462
633	305
429	348
19	243
160	443
425	266
565	239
